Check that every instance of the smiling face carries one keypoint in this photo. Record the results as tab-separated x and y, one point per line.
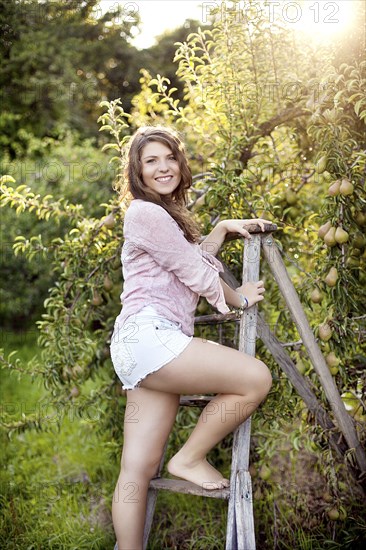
159	168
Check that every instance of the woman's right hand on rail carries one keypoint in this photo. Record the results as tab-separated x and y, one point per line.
253	292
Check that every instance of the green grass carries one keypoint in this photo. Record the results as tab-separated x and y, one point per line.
56	485
188	522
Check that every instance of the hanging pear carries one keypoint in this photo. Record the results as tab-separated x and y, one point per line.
107	282
325	332
321	164
316	296
329	238
346	187
341	236
359	240
97	300
331	278
332	360
334	188
323	229
360	218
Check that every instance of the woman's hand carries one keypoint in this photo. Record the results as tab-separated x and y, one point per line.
252	291
238	226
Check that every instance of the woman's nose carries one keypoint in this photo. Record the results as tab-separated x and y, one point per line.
163	166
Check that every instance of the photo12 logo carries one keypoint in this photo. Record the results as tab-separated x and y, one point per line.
287	12
124	12
295	12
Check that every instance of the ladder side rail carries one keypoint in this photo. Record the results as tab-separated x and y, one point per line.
152	496
240	522
300	382
345	422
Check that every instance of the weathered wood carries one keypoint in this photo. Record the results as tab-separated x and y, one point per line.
253	228
345	422
300	383
243	511
241	440
302	386
187	488
152	496
215	318
195	400
239	460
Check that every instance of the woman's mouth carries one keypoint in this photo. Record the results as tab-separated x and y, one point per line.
164	179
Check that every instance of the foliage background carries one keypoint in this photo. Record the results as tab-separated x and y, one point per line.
270	123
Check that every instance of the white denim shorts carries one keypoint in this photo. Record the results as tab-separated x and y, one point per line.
143	344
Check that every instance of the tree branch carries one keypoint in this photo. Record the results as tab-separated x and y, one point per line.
268	126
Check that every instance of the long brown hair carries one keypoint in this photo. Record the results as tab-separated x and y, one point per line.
176	204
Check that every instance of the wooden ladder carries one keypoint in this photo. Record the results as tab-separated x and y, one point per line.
240	523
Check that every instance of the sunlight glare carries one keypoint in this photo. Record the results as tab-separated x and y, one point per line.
323	21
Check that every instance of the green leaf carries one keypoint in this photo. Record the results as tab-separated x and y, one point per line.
7	179
358	105
110	146
105	127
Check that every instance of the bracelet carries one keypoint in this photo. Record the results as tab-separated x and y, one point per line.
243	299
244	304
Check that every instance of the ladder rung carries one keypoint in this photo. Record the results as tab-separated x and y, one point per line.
195	400
188	488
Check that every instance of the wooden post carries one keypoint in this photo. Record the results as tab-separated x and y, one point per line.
289	293
240	523
151	501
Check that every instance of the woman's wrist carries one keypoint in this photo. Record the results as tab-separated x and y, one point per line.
244	304
244	301
222	225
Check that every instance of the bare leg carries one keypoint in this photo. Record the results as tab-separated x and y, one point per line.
207	367
149	418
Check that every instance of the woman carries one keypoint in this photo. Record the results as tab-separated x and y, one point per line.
153	349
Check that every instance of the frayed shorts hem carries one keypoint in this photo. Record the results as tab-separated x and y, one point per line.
143	344
138	382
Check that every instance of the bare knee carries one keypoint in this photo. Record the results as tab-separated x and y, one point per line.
142	468
263	380
256	382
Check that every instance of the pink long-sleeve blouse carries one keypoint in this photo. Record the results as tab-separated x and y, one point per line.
162	269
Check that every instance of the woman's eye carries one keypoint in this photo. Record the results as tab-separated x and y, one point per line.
150	161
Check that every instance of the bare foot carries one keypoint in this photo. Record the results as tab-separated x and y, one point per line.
201	473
